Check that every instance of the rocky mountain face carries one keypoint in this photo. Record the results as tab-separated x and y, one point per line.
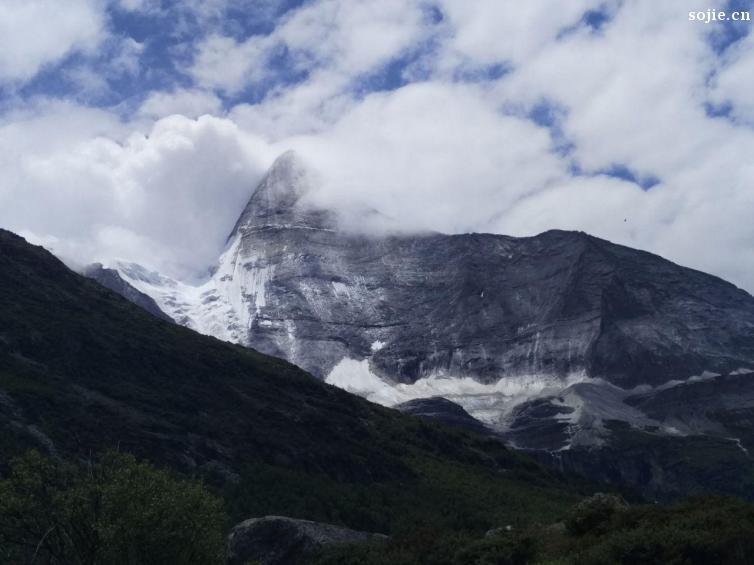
678	439
545	339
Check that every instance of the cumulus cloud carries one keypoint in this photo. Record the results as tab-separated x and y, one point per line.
40	32
331	42
150	196
495	31
228	65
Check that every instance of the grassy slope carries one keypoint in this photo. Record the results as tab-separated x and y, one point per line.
87	370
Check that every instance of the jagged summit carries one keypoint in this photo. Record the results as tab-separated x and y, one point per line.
278	201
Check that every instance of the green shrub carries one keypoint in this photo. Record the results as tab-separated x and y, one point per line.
601	530
115	511
499	550
593	515
696	532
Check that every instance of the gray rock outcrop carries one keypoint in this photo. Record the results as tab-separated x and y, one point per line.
276	540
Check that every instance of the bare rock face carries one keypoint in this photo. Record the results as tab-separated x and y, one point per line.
280	200
276	540
675	440
488	307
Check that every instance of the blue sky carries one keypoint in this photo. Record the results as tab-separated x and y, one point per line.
126	122
165	34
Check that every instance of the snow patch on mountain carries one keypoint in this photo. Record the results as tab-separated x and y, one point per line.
489	403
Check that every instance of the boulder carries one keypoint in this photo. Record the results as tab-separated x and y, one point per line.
277	540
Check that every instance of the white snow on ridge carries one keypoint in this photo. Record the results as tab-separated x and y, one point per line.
218	307
242	282
199	307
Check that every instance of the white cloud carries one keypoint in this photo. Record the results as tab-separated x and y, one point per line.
125	61
186	102
93	82
619	100
437	154
309	107
330	39
89	83
417	162
168	196
139	5
493	31
225	64
353	37
734	83
40	32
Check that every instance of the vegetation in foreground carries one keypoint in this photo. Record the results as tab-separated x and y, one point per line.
700	531
114	511
118	510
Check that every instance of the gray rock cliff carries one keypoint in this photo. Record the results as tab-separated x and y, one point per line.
483	306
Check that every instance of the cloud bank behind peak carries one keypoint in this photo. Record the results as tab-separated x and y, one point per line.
622	119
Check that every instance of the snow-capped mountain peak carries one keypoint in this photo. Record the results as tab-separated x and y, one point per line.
393	317
279	201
